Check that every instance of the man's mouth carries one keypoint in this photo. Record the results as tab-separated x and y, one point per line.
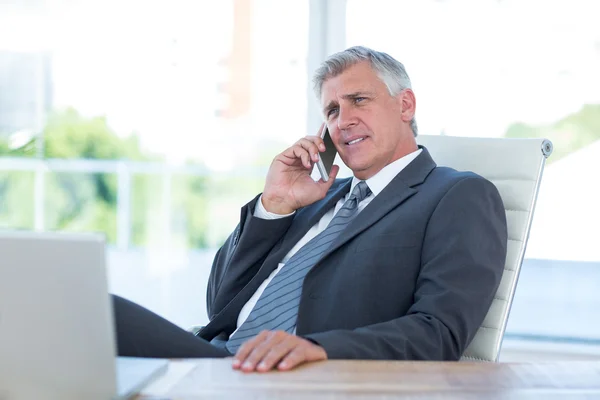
355	141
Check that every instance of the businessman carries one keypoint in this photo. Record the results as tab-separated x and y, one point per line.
399	262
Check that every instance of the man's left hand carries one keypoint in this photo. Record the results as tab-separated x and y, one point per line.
276	349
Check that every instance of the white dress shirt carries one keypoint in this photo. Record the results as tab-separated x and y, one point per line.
376	183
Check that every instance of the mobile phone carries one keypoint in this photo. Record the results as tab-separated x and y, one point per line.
327	157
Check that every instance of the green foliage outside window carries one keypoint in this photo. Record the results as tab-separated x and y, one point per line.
568	134
88	202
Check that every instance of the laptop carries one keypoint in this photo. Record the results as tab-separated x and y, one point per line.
57	339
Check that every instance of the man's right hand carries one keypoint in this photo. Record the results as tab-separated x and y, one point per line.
289	185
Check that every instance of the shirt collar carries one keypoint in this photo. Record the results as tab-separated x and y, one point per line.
380	180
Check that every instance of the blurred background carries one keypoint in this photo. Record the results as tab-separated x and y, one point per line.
155	122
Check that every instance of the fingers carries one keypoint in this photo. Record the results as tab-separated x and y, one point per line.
332	174
275	354
307	150
302	354
267	348
324	186
276	349
245	349
315	143
299	152
311	147
292	359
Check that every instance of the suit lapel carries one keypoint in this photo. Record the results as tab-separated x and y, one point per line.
304	219
307	217
401	188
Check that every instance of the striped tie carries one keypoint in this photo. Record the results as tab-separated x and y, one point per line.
277	307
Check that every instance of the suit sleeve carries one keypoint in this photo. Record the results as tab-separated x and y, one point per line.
241	256
462	261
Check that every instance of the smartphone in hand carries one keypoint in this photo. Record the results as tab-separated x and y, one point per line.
327	157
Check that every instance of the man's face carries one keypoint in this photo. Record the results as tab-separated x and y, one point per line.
369	127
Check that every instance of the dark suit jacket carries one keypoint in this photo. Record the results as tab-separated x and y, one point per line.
411	278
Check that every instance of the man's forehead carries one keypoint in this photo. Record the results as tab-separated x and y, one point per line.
348	83
346	91
356	79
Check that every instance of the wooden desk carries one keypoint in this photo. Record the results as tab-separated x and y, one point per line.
214	378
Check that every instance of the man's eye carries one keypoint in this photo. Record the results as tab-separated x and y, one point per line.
331	112
359	99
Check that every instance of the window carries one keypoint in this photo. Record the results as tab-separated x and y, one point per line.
153	122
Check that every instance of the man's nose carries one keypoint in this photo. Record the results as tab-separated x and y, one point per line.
346	118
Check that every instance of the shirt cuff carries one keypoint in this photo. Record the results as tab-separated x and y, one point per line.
260	212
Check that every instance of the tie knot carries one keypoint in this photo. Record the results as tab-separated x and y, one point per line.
360	192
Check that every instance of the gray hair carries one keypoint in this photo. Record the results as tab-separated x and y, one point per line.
390	71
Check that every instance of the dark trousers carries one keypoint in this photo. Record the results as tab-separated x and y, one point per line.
142	333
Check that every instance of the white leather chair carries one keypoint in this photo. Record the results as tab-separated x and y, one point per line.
515	166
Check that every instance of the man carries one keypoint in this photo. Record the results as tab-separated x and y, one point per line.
399	262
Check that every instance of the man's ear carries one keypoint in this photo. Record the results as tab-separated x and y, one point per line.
409	104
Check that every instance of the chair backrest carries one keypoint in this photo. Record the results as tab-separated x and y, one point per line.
515	166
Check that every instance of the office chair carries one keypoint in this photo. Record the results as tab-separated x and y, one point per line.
515	166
